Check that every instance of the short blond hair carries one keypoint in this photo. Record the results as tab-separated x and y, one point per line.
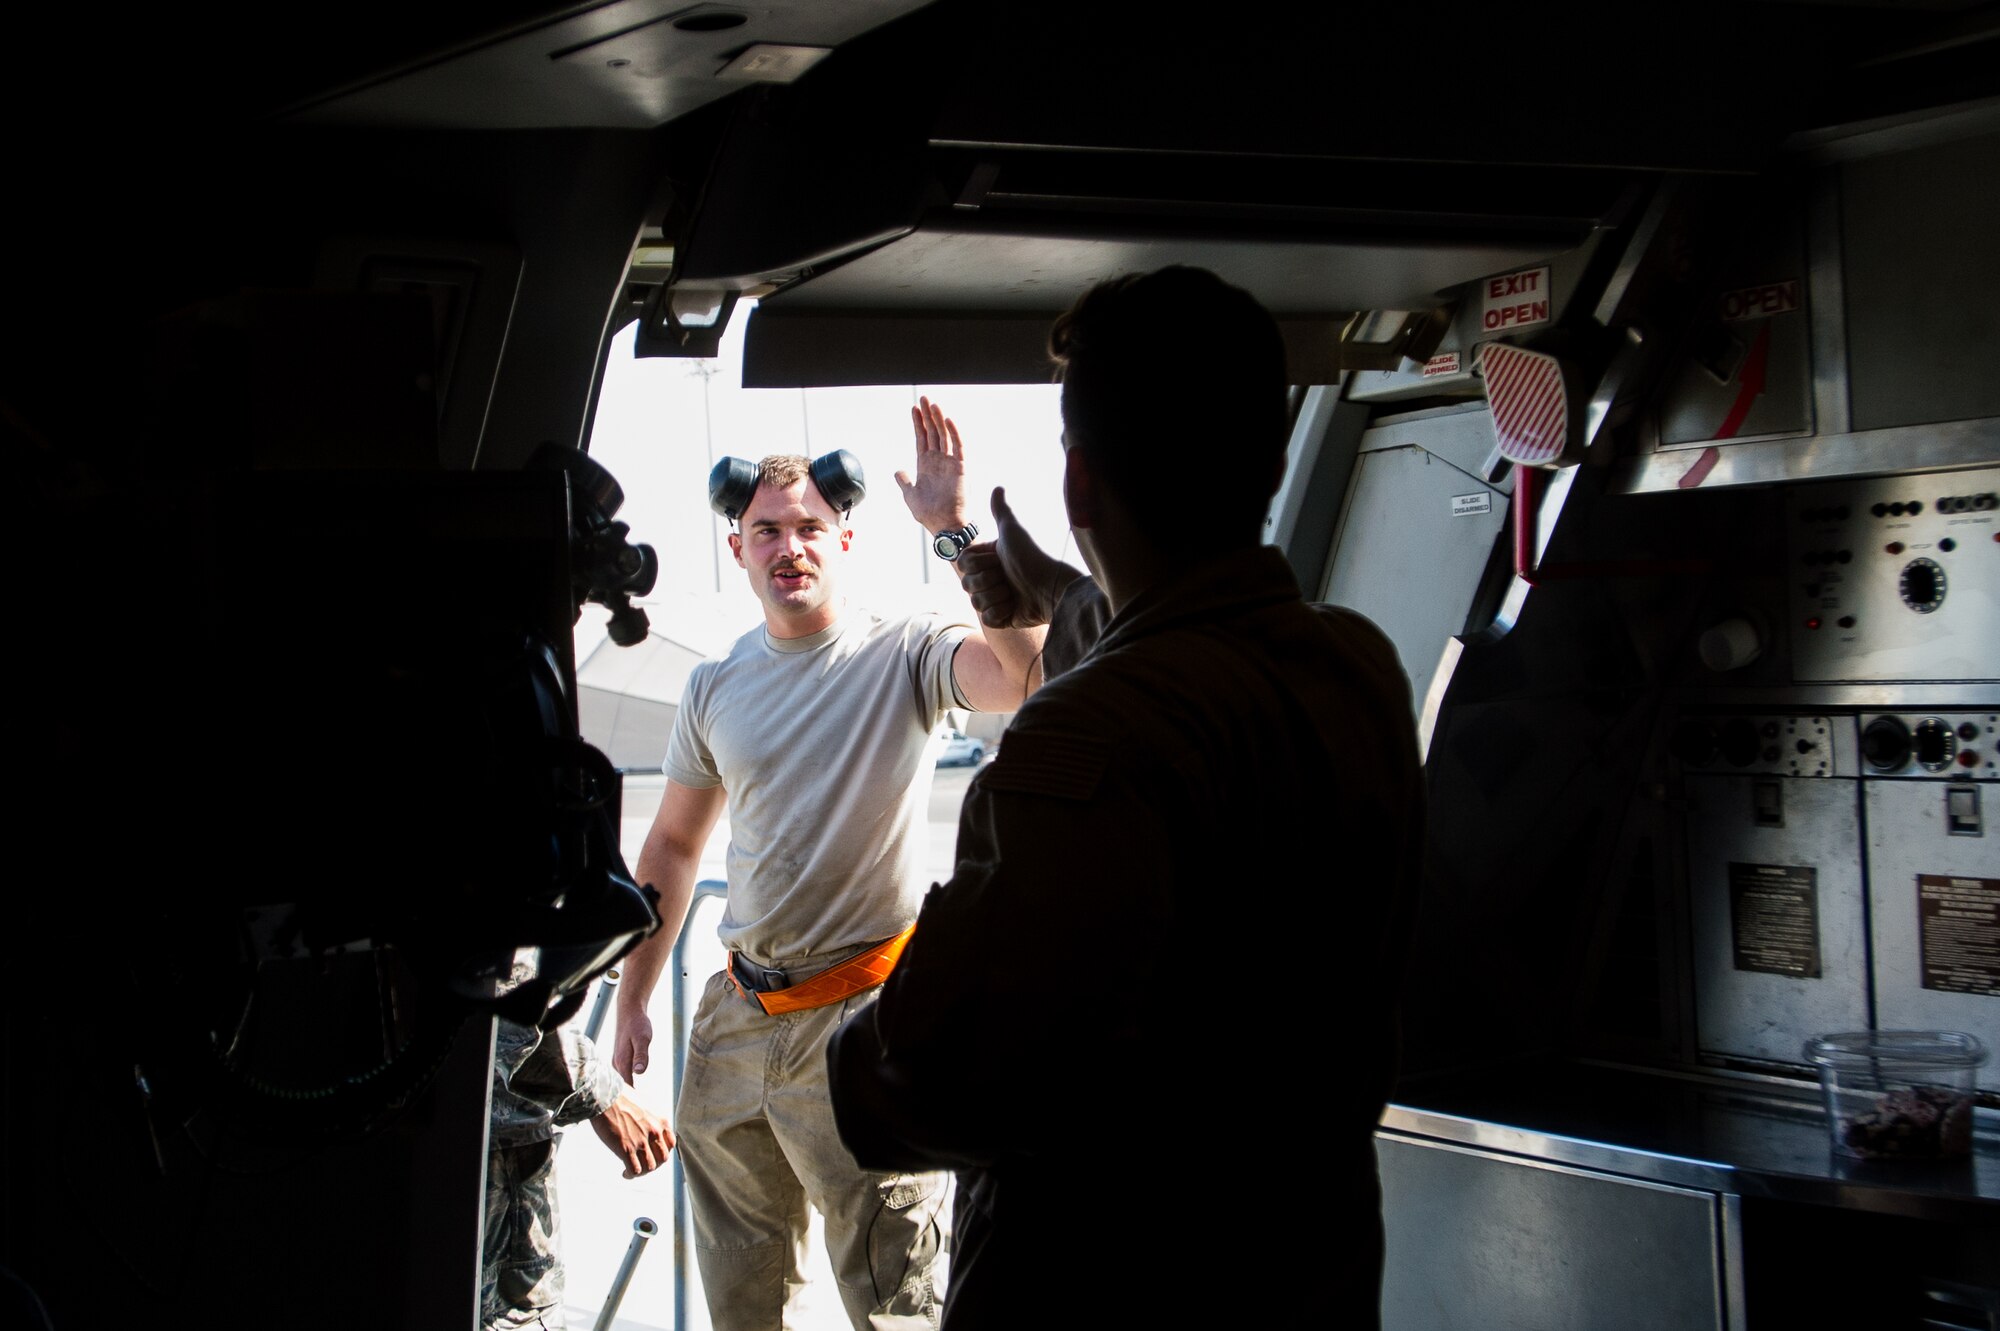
781	471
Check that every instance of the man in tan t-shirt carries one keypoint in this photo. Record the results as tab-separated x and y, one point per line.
815	729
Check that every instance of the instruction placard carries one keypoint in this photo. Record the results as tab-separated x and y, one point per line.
1958	922
1774	919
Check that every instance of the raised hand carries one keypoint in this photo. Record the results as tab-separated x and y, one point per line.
936	498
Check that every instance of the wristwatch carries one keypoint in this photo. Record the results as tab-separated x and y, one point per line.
951	542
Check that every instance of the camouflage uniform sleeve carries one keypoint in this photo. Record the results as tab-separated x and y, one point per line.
594	1086
518	1117
542	1081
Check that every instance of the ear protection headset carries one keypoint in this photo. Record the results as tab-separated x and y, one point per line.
837	474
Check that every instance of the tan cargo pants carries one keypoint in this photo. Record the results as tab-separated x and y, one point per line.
758	1144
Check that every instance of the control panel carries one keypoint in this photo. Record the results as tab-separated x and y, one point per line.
1941	745
1756	745
1896	578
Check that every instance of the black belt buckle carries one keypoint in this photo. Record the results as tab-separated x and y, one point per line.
757	979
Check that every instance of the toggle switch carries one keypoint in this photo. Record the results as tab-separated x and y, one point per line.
1767	804
1961	811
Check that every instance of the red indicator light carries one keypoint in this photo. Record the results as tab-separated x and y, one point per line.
1813	622
1896	547
1967	758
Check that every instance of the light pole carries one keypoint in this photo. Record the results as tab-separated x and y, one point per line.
924	560
706	370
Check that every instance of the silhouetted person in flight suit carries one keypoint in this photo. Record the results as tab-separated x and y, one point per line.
1150	1019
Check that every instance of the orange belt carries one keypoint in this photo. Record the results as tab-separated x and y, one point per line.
863	970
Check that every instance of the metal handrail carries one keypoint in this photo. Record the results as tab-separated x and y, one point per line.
597	1009
643	1229
678	1029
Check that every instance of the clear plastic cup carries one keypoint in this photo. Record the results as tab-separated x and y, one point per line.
1898	1095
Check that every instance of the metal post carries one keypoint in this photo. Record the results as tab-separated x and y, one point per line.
678	1035
642	1229
596	1021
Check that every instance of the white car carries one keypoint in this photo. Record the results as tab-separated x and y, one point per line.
961	751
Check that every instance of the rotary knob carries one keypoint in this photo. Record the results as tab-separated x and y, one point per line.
1886	744
1922	585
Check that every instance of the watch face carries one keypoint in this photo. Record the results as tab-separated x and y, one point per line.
946	546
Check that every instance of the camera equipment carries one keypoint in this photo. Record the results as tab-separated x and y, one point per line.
837	474
605	566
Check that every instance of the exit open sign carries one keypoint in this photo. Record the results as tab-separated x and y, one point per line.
1514	300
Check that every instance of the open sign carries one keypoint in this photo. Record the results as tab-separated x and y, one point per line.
1760	302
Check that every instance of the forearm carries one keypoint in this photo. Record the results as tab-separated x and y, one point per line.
995	670
668	863
670	871
1019	653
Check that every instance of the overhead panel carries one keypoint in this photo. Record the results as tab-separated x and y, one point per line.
634	64
952	266
945	279
1847	334
1750	374
1925	330
1516	303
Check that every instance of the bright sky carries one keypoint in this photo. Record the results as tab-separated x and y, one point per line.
661	424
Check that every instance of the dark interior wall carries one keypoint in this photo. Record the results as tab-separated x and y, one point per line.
567	203
1551	891
137	586
261	207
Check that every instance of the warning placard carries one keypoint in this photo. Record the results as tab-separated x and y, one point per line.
1774	919
1514	300
1958	921
1465	506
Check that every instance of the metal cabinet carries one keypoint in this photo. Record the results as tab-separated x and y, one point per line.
1934	890
1779	925
1476	1239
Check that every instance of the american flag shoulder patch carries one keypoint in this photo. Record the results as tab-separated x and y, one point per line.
1065	767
